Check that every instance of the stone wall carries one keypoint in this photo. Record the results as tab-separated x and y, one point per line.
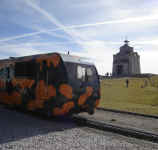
136	64
145	75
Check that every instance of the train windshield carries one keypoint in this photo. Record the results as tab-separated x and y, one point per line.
82	75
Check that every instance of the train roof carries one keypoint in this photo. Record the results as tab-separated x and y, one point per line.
76	59
65	57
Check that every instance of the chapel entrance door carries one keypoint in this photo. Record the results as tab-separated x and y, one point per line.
119	69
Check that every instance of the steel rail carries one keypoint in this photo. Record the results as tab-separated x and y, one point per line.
117	129
128	113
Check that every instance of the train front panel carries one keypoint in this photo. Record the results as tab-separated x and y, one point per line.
84	81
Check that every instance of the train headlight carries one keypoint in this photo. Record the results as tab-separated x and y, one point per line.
95	94
74	95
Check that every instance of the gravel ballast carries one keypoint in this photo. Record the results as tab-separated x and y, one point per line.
124	120
23	130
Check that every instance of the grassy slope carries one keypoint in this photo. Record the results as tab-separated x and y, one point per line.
115	95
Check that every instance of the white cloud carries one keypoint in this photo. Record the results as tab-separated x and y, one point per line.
90	29
137	47
149	61
50	17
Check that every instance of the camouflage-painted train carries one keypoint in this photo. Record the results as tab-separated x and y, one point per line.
50	83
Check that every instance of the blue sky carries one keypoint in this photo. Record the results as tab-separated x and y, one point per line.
89	28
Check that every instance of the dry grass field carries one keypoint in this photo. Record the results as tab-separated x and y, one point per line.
116	95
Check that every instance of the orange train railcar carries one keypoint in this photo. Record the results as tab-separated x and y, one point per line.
50	83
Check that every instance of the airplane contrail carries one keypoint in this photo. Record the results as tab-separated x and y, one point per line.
61	27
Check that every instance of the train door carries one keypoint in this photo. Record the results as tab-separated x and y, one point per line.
43	78
2	90
41	87
9	86
5	86
24	87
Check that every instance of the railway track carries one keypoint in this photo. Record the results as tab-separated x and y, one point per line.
117	129
115	126
128	113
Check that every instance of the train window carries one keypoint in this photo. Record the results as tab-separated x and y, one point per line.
25	69
19	69
79	73
30	68
89	72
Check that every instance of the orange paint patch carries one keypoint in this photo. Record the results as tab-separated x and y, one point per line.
27	58
83	97
9	99
54	58
75	56
1	95
42	56
35	104
4	64
66	108
66	90
23	82
7	64
17	99
96	103
10	60
39	103
2	82
1	65
44	92
31	105
2	98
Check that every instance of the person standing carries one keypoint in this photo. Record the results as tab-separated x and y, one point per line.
127	82
146	82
